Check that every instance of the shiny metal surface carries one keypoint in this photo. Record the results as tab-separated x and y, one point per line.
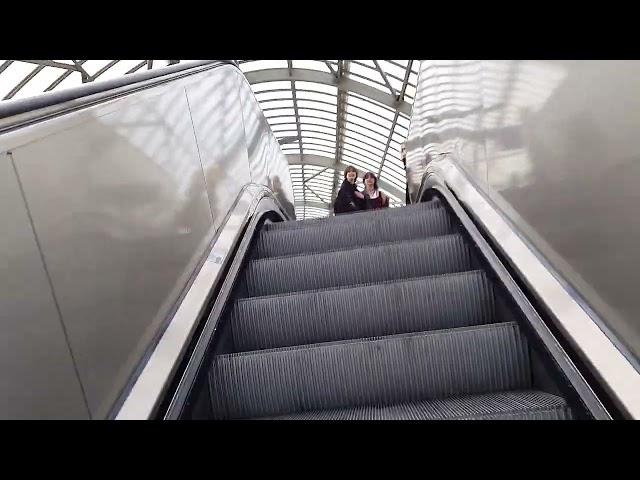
126	197
267	163
618	374
256	134
36	365
214	102
554	145
123	235
150	385
280	179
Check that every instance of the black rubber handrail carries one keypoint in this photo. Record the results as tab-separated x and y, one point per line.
19	112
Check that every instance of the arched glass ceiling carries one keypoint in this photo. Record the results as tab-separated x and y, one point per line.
331	113
326	114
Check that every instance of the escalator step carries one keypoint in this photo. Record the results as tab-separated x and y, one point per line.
361	216
376	230
514	405
379	371
393	261
400	306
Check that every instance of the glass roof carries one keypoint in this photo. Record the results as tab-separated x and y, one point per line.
25	78
326	114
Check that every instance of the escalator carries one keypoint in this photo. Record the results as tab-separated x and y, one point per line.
209	305
391	314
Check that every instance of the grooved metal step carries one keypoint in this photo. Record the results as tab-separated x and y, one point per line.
361	216
388	370
376	230
514	405
399	306
432	256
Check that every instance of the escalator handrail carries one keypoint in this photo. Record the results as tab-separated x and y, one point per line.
19	112
614	372
157	370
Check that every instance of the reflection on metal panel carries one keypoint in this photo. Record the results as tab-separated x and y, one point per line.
126	197
256	132
559	152
37	377
280	177
121	210
214	102
615	372
152	382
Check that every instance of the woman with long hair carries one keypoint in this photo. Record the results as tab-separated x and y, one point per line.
374	198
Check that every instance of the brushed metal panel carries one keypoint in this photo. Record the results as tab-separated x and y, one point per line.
37	376
280	177
616	373
216	111
256	133
577	187
267	163
120	206
158	371
447	118
563	163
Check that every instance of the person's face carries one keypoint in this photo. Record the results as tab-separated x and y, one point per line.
351	176
369	181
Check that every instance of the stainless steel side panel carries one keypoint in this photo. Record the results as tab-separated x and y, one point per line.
280	177
256	131
614	371
216	111
555	145
152	382
37	377
125	198
121	210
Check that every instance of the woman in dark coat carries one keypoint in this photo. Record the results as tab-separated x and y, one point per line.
374	198
348	199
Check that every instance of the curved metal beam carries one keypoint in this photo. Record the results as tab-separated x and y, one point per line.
52	63
345	84
327	162
320	205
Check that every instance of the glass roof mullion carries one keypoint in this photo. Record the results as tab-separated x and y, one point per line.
5	65
386	150
368	137
104	69
295	110
377	151
368	120
335	74
137	67
328	143
322	102
370	112
315	175
312	191
406	80
384	77
64	76
23	82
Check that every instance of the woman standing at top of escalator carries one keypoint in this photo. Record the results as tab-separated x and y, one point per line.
373	197
348	199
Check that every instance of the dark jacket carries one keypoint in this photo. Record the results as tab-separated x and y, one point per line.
346	201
